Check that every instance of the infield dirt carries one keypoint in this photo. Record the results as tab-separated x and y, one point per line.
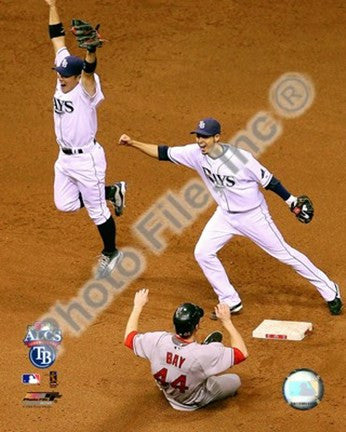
168	64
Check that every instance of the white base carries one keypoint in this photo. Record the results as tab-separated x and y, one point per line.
282	330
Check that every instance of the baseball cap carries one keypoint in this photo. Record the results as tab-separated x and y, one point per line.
71	65
208	127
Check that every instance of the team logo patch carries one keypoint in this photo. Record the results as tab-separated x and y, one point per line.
42	338
201	124
64	63
31	378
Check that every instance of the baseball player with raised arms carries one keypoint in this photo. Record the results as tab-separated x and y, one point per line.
233	177
185	370
81	165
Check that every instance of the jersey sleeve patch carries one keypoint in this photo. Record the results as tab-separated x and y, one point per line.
129	339
258	172
267	176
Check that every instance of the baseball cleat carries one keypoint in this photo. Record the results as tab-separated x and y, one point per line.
215	336
107	264
117	197
335	306
233	309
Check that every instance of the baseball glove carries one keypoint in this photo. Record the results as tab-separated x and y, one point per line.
87	36
303	209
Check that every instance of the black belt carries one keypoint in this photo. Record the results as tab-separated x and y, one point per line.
69	151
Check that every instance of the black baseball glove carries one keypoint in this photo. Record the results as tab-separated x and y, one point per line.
87	36
303	209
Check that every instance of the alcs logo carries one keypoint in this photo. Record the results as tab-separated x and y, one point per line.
42	339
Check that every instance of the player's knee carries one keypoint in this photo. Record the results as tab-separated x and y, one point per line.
237	381
201	254
66	206
234	384
99	215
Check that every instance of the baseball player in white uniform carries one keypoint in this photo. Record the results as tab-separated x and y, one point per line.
233	177
185	370
81	165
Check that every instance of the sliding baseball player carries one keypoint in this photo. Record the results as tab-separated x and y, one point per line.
185	371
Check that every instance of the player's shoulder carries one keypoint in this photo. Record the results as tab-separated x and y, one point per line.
154	334
149	338
212	350
186	147
187	152
236	150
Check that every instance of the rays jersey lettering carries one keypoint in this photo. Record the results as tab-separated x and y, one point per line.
233	179
62	106
218	180
75	117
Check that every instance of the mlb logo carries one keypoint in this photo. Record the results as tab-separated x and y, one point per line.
32	378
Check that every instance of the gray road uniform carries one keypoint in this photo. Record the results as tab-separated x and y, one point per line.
185	372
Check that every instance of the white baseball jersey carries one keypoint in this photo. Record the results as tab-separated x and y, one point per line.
75	121
232	178
75	118
181	368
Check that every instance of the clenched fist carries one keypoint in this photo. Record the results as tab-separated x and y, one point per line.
125	140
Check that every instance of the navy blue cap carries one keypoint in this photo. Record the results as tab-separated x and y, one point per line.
71	65
208	127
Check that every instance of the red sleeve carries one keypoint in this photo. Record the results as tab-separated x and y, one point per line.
129	339
238	356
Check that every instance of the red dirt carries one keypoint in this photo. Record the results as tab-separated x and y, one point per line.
168	64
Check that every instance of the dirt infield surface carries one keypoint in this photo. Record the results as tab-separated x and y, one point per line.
168	64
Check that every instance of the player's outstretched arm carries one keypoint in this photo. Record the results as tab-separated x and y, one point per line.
223	313
56	29
140	300
149	149
88	38
88	77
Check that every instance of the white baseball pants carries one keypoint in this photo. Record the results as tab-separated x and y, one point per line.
258	226
82	173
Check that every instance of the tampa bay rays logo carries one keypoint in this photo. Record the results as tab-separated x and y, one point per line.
219	181
42	338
